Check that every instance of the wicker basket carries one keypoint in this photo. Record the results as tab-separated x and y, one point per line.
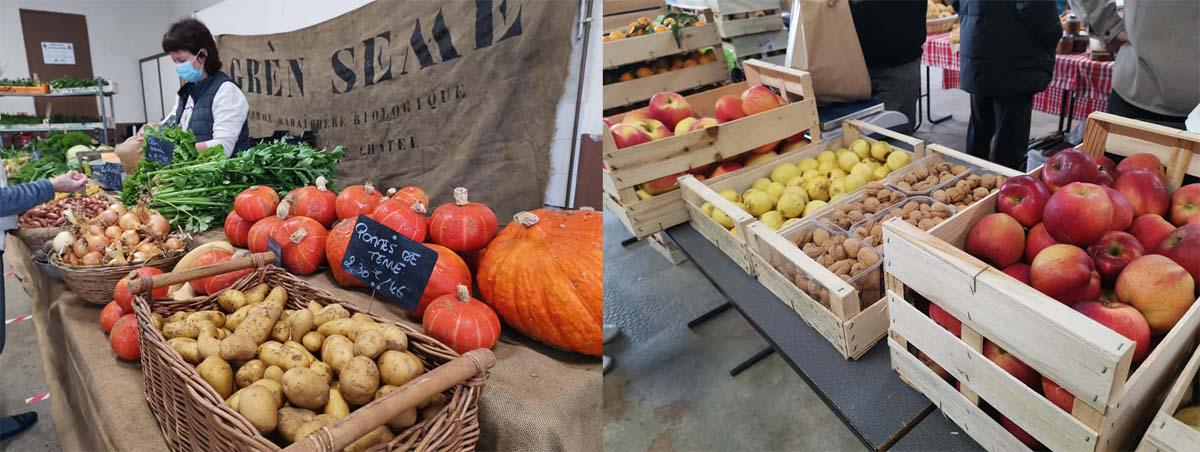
95	283
34	238
940	25
193	416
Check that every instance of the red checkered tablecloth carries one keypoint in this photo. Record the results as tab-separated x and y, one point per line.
1091	81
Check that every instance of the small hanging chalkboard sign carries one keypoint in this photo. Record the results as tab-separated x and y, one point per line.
110	176
396	267
159	150
274	248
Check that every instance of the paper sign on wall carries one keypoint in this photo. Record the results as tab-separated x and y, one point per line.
58	53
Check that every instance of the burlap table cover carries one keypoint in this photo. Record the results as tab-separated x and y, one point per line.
537	398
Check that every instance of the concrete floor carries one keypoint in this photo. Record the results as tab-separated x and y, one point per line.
21	373
671	389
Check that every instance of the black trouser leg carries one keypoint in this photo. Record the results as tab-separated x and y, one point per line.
3	306
1012	129
1118	106
981	127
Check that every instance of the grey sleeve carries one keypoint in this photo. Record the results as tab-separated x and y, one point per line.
1100	16
16	199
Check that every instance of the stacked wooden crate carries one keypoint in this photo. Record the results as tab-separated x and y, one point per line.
619	13
748	28
626	54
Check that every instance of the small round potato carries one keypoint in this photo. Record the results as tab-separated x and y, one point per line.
257	404
358	380
312	341
218	374
305	388
398	368
370	344
250	372
275	387
273	373
290	420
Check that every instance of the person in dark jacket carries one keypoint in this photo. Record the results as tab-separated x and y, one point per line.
15	200
891	34
1007	56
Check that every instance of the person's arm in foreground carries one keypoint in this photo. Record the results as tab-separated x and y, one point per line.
16	199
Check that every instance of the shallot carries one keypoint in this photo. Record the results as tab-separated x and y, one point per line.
113	232
91	258
158	225
130	238
129	221
108	217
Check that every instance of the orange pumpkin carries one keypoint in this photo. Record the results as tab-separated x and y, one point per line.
544	275
335	251
461	322
449	272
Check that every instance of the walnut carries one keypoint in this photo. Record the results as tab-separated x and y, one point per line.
973	181
867	256
839	253
963	185
979	193
914	215
846	278
805	236
850	247
927	223
988	180
921	172
940	195
856	216
958	169
838	215
841	267
870	204
820	236
874	187
857	268
1000	180
825	260
942	167
837	239
940	210
903	185
897	196
954	194
877	230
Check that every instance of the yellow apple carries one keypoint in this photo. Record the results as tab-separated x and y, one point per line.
813	207
880	150
898	159
761	183
773	219
807	164
731	194
783	172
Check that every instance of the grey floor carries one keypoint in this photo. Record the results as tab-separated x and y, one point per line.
671	389
21	372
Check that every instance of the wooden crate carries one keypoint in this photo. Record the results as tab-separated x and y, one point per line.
650	47
1167	434
613	7
620	20
627	168
637	90
767	46
1112	406
739	17
667	248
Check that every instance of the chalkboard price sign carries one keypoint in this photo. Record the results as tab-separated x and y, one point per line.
109	175
396	267
159	150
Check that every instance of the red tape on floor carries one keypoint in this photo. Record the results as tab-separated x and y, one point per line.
37	398
18	319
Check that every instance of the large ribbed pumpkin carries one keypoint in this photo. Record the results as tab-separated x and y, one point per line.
544	275
462	225
335	251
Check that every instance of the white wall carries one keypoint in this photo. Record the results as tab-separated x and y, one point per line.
120	32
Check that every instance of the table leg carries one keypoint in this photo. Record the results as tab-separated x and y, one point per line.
628	241
929	103
709	315
765	352
1070	112
1062	108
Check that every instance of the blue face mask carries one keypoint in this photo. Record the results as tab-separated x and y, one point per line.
188	72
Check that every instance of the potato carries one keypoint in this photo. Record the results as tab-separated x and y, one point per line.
223	333
233	320
278	297
237	347
328	313
309	358
358	380
157	320
276	354
275	387
302	323
207	345
314	424
218	374
344	327
177	317
282	331
393	335
257	294
258	406
250	372
397	368
362	317
204	327
259	322
290	420
336	351
312	341
403	420
370	344
314	308
186	347
378	436
305	388
336	406
433	406
181	329
233	399
217	318
322	369
273	373
231	300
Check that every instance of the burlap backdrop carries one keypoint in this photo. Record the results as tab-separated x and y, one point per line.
437	94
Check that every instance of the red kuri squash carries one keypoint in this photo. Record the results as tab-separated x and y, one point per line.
237	230
544	275
256	238
109	315
409	195
335	251
124	338
256	203
214	284
357	200
302	243
121	292
316	202
462	322
449	272
463	225
408	219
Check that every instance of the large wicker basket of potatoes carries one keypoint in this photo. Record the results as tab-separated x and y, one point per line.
273	362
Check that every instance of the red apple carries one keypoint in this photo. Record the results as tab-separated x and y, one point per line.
608	122
1183	246
1058	395
1019	271
1020	434
1158	287
1062	271
935	367
1150	230
1024	198
769	147
795	138
759	98
635	116
1123	319
626	135
662	185
992	239
1091	292
729	108
1146	191
727	167
1113	252
1078	213
670	108
1037	240
1185	205
1067	166
702	170
1141	160
704	123
653	127
944	319
685	125
1106	170
1122	211
1011	364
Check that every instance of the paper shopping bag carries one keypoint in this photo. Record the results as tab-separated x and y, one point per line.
825	44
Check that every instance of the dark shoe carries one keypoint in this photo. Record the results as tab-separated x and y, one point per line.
10	426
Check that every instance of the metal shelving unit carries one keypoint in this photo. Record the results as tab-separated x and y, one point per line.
107	115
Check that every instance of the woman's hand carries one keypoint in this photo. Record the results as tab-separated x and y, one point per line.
68	182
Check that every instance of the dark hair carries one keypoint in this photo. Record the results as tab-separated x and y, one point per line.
192	35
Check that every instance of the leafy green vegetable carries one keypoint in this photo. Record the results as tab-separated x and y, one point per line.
52	152
72	82
17	82
21	118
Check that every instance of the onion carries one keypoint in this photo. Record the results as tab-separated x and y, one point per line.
108	217
113	232
96	242
158	225
147	250
92	258
94	229
118	207
63	240
129	221
79	248
173	243
130	238
141	211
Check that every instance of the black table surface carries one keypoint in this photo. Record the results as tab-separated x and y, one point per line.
866	394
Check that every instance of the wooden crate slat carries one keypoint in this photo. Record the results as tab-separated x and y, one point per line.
649	47
620	21
1030	410
637	90
623	6
819	317
985	431
756	44
729	28
866	329
1165	432
1086	355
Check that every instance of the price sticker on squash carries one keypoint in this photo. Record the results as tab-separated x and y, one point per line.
395	266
